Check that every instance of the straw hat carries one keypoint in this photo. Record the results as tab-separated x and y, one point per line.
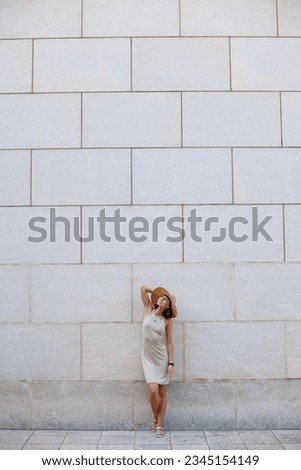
159	292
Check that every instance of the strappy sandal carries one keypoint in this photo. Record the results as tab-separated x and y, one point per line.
159	432
154	425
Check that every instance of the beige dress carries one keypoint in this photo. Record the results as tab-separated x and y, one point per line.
154	349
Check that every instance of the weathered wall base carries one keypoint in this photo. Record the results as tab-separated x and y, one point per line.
214	405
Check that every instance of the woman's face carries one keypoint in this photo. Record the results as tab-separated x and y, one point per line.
163	301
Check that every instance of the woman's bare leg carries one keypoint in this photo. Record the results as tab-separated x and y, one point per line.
154	399
162	405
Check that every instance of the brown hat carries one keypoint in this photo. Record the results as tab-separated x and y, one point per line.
159	292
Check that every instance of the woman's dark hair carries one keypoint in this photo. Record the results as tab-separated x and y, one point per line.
167	313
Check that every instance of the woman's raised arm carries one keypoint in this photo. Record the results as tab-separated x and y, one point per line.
145	290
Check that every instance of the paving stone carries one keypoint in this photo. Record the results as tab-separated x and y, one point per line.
15	439
146	440
50	432
149	438
229	439
189	447
228	447
292	446
264	446
258	437
41	447
78	447
17	435
11	446
291	437
154	446
117	437
188	437
82	437
42	439
117	447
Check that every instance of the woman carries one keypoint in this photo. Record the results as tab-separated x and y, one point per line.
157	349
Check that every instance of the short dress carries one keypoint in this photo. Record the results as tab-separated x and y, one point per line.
154	349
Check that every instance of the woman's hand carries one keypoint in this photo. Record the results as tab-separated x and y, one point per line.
169	371
147	288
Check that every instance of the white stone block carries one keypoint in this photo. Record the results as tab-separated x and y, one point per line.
134	234
267	175
81	177
132	120
204	292
14	293
268	291
131	18
82	65
182	176
228	18
111	352
14	177
40	352
263	64
231	119
292	217
293	331
181	64
15	66
233	233
235	350
35	121
88	293
291	118
26	235
289	17
47	18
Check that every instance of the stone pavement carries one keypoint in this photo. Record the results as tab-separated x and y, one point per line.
181	440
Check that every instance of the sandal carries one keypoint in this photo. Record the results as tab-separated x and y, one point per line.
154	425
159	432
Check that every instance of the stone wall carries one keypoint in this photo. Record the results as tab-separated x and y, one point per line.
157	109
